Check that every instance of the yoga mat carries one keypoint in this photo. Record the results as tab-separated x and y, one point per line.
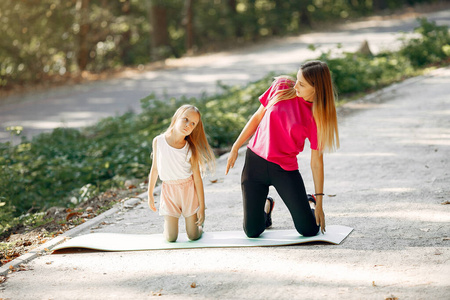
335	234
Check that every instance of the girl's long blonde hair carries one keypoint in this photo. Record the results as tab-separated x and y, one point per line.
202	153
317	74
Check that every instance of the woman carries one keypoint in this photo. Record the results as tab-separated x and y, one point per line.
290	112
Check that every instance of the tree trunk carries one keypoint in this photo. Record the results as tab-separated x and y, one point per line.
126	36
305	18
235	18
280	18
189	26
379	5
160	33
83	52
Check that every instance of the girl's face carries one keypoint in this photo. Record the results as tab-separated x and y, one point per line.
303	88
187	122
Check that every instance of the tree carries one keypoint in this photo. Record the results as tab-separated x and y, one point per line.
379	5
160	40
235	18
188	22
126	36
83	52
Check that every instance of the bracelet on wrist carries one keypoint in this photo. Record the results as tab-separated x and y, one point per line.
319	194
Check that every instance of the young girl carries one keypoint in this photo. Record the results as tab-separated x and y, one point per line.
179	156
291	111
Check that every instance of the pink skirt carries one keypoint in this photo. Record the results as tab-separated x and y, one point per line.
178	197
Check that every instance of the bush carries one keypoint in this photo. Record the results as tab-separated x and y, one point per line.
431	46
354	73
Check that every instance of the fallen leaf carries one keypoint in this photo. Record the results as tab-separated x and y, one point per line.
331	195
392	297
445	202
23	268
446	239
71	215
156	293
193	285
214	180
373	283
2	279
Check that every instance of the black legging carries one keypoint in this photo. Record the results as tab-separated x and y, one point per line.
258	174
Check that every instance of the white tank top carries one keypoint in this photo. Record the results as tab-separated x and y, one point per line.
172	163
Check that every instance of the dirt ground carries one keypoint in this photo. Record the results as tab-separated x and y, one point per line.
389	181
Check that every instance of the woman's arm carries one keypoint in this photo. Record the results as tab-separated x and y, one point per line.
318	178
152	177
198	183
246	133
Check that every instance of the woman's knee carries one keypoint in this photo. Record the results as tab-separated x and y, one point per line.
308	231
252	232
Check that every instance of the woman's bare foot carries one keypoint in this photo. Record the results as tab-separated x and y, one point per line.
267	207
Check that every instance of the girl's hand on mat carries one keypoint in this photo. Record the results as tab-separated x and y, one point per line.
231	160
320	218
151	202
200	217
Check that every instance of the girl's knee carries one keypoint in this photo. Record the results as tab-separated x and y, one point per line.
194	236
171	236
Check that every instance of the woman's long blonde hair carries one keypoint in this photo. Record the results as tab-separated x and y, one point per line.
317	74
202	153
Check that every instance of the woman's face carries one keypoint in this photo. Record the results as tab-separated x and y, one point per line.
303	88
187	122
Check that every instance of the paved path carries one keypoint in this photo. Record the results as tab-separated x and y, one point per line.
82	105
387	181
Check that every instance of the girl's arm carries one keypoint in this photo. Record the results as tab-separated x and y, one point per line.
198	183
318	178
246	133
152	177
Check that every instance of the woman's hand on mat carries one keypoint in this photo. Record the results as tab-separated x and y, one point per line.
231	160
320	218
200	217
151	202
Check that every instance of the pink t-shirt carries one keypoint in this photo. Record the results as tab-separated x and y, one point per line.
281	134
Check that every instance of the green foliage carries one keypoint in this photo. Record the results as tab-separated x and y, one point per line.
67	166
36	40
431	46
354	73
41	40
